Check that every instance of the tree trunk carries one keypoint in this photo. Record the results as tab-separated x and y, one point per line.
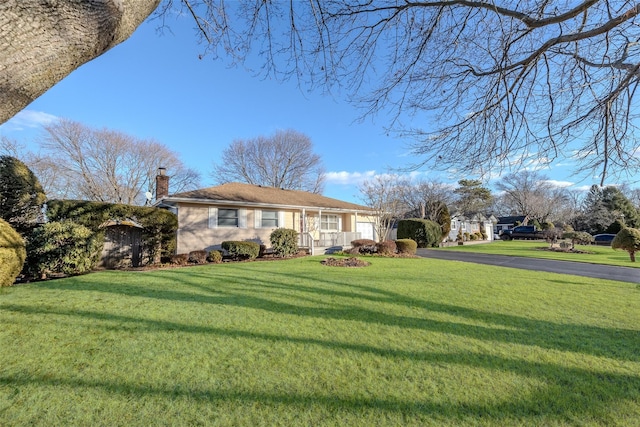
632	255
41	41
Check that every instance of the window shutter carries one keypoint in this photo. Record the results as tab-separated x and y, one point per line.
339	223
281	219
213	217
257	216
242	218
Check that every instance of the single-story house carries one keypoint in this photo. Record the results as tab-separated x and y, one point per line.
471	224
236	211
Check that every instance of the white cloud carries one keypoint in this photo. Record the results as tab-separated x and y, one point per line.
560	184
29	119
348	178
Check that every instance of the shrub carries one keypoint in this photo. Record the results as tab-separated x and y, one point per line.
180	259
198	257
579	237
627	239
284	242
406	246
12	254
62	247
215	257
241	250
424	232
388	247
363	246
21	195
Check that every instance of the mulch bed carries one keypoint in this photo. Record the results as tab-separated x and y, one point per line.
565	250
345	262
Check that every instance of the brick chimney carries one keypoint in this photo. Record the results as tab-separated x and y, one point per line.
162	184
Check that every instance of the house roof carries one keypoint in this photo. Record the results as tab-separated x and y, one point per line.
511	219
236	193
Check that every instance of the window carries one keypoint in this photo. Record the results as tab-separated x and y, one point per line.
227	217
330	222
269	219
463	225
222	217
454	224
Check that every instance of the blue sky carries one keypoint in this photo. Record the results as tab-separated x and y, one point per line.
155	86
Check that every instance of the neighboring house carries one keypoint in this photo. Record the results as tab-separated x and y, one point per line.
235	211
508	222
471	224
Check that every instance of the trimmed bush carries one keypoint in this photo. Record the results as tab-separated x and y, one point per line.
62	247
579	237
362	242
406	246
215	257
198	257
241	250
363	246
388	247
424	232
284	242
12	254
627	239
180	259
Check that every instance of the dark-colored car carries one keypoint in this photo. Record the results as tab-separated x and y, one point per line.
603	239
522	232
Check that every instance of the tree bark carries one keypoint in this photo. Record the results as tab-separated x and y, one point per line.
42	41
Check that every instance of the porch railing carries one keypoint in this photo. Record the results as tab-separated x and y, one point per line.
327	240
339	238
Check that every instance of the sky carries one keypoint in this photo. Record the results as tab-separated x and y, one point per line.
157	86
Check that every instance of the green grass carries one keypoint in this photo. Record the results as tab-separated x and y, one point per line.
534	249
401	342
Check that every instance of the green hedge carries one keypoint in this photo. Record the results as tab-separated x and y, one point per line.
12	254
159	225
424	232
62	247
241	250
406	246
284	242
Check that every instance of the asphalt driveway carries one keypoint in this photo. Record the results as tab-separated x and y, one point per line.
623	274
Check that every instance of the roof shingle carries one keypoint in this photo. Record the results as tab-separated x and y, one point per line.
248	193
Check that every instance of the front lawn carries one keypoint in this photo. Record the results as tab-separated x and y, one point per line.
596	254
401	342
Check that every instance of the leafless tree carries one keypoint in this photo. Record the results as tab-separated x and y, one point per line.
105	165
427	199
282	160
497	83
530	193
10	147
383	194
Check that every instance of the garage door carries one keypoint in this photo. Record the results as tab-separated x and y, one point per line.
365	229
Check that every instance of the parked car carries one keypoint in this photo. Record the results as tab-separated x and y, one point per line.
522	232
603	239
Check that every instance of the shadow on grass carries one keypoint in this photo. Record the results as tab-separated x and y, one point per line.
615	343
568	394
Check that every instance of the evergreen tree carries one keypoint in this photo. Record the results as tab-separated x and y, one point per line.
473	198
620	206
